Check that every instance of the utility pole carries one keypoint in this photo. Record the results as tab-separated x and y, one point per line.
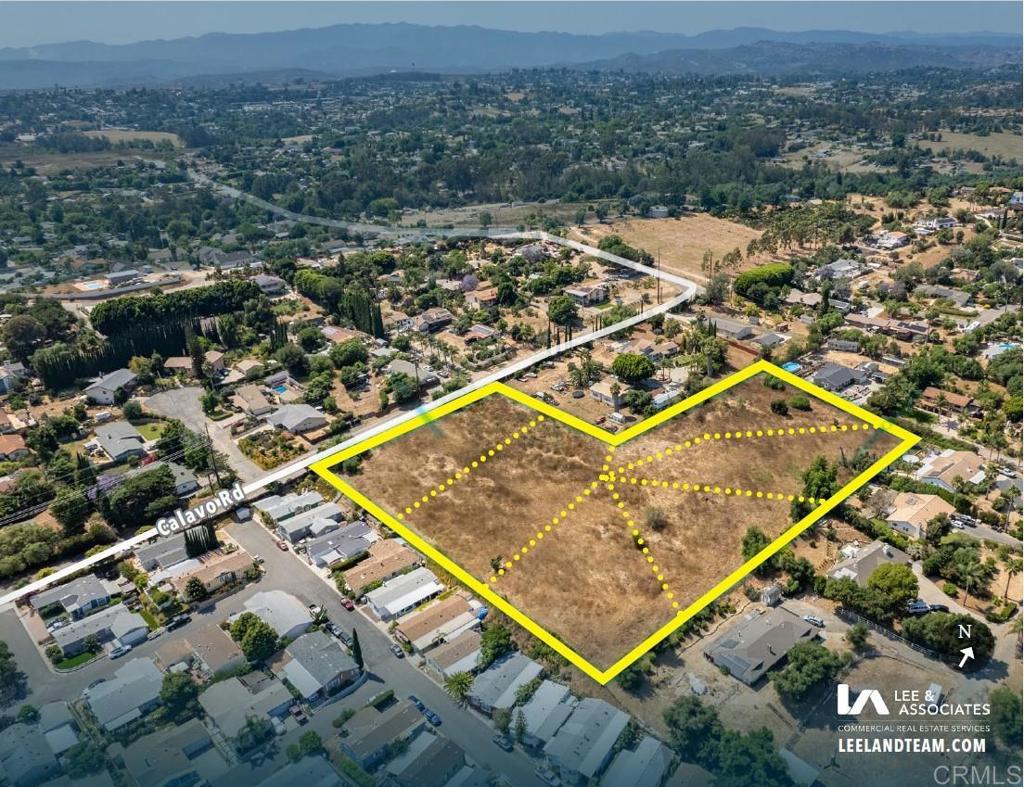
213	453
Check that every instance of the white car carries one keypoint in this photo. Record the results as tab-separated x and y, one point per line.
119	651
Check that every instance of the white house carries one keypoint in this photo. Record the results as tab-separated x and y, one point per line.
104	390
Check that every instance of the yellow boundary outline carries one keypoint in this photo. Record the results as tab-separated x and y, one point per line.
482	589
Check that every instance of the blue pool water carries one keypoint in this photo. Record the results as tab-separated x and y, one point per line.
280	388
791	367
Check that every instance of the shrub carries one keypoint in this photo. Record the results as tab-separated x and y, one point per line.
800	403
779	407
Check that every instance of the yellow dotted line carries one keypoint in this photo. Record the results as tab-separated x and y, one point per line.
728	491
641	543
740	434
546	529
466	471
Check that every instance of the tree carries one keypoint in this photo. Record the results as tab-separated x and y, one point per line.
83	759
256	638
70	508
1006	715
458	685
132	410
520	728
27	714
694	730
808	665
357	650
748	759
292	358
754	540
495	642
310	744
940	632
195	589
502	719
896	582
22	334
179	694
857	636
562	310
632	367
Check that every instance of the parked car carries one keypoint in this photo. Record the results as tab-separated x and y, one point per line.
333	628
346	638
918	607
282	545
814	620
119	651
548	776
178	621
417	702
432	717
314	609
347	604
298	714
938	608
397	650
503	742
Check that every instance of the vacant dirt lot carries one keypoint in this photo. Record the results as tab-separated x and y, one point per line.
538	522
681	242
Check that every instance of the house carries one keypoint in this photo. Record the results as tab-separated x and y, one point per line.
270	285
935	400
483	298
284	613
495	687
132	693
947	468
433	320
120	441
113	624
459	654
214	652
479	332
658	212
643	766
403	593
346	543
105	389
388	558
232	702
309	772
250	368
185	482
58	726
415	371
759	641
429	761
337	335
12	447
533	252
371	732
583	746
911	512
313	522
797	298
250	399
843	345
731	328
602	391
316	665
297	418
178	364
172	757
215	360
432	625
545	713
957	297
279	508
587	294
862	561
215	572
78	597
769	340
835	378
843	268
163	553
25	758
10	375
890	241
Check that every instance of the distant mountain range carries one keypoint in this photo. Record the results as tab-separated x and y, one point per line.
359	49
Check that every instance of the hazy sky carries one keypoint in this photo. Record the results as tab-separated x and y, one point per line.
29	23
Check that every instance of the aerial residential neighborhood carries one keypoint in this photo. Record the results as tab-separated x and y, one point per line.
263	308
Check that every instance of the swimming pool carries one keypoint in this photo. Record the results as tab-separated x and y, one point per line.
280	388
791	367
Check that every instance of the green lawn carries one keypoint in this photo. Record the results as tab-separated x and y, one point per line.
75	661
151	430
150	619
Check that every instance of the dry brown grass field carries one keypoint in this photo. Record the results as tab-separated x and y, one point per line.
1002	144
553	520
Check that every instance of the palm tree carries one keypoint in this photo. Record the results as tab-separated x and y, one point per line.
458	685
973	578
1014	566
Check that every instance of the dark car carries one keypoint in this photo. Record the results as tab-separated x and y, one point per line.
938	608
432	717
417	702
397	650
503	742
333	628
347	604
345	637
177	622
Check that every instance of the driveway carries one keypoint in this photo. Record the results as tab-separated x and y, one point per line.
183	404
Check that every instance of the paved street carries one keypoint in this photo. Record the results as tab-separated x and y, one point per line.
183	404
